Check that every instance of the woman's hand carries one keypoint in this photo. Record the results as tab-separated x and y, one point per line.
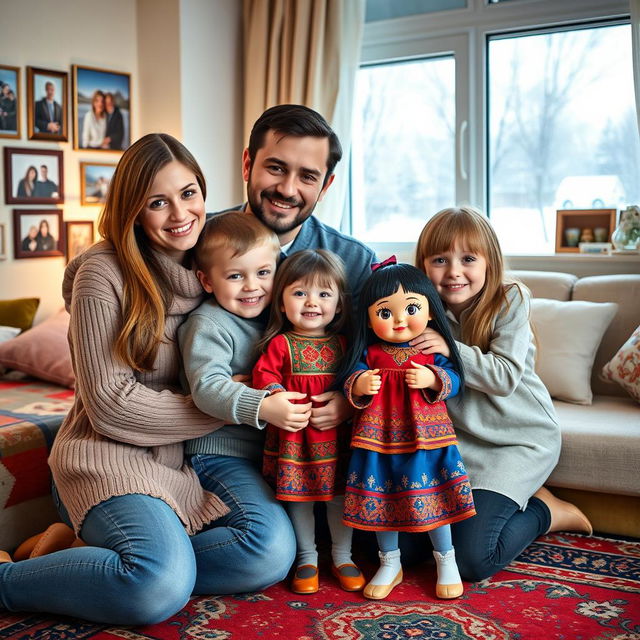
334	412
420	377
278	411
430	341
367	383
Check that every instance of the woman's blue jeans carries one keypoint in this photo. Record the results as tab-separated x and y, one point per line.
488	541
141	566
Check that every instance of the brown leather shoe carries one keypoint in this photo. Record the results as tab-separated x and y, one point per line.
5	557
349	576
308	584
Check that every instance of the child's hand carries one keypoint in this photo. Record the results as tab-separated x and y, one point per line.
334	412
421	377
367	383
278	411
430	341
243	378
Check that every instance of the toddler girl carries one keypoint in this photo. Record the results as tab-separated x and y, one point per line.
302	349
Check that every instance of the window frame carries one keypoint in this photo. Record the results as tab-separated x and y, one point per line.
464	33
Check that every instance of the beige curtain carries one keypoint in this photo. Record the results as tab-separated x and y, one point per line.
634	6
305	52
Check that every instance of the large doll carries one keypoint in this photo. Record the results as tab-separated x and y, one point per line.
303	348
405	472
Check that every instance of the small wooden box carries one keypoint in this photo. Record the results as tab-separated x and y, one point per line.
582	219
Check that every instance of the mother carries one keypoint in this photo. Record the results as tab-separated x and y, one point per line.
118	459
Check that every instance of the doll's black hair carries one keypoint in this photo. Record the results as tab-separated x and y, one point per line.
383	282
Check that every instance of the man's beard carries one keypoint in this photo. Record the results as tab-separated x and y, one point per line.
275	223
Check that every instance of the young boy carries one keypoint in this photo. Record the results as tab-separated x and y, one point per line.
236	262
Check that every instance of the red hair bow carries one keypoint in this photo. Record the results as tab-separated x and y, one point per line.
378	265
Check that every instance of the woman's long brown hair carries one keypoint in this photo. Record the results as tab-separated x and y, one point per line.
147	294
468	226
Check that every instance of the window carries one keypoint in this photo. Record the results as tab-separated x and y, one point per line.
562	130
403	147
518	108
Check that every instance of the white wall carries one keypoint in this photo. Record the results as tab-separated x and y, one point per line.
185	60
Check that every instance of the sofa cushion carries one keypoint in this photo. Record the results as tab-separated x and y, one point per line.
624	367
568	334
42	352
546	284
624	290
600	446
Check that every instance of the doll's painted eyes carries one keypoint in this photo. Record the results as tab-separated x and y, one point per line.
412	309
383	313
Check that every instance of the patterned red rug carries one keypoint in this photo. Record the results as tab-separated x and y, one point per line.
564	587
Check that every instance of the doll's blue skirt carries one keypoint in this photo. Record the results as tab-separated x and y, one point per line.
407	491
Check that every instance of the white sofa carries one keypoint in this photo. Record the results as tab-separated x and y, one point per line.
599	467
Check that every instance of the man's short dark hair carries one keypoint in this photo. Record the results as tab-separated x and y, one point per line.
299	121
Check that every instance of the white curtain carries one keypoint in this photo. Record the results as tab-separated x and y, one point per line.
305	52
634	6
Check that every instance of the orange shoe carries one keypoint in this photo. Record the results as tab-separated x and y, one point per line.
308	584
5	557
56	537
349	576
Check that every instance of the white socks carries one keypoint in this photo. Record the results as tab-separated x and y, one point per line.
341	535
389	567
449	583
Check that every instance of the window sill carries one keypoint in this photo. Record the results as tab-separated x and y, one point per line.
580	264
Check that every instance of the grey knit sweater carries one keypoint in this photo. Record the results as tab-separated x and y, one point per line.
125	431
507	429
216	345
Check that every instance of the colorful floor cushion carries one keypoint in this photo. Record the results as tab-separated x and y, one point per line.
31	412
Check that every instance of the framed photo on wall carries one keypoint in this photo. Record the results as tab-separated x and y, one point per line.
10	106
33	176
95	178
47	104
38	233
101	109
79	237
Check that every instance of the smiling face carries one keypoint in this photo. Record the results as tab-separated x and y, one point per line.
241	284
310	307
98	104
399	317
174	212
285	181
458	275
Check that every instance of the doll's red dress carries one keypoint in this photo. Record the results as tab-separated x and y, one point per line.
306	465
405	472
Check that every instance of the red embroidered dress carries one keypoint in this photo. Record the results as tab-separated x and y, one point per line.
302	466
405	473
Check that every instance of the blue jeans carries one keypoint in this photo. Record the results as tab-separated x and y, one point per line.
253	546
490	540
141	566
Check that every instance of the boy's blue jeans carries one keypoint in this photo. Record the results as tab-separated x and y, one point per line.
141	566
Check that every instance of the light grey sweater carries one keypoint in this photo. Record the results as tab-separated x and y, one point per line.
216	345
508	433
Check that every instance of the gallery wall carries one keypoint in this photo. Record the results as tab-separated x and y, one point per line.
184	61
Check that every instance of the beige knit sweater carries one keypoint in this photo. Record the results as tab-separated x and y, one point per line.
125	431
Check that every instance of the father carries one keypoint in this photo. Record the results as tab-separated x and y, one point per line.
288	168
